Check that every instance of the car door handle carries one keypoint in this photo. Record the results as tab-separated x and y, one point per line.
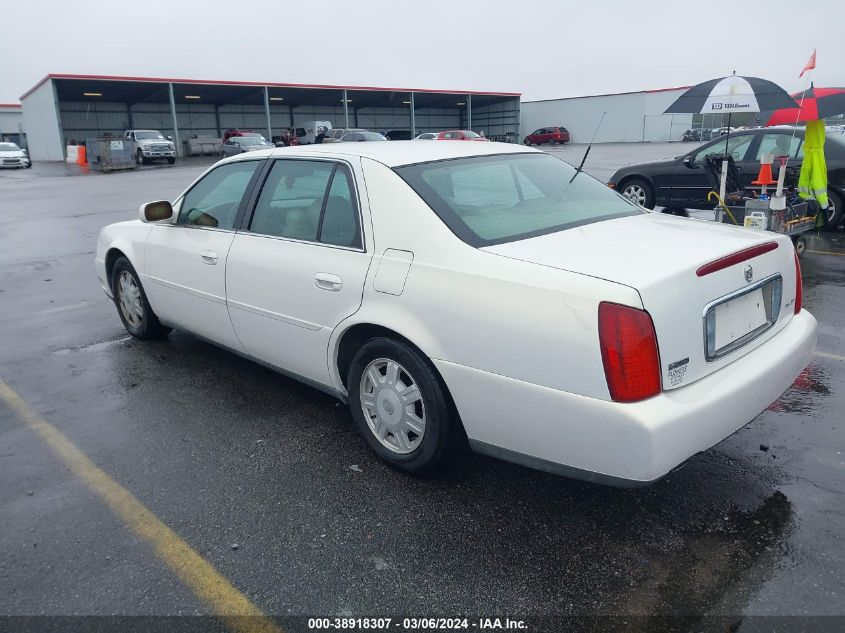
209	257
328	281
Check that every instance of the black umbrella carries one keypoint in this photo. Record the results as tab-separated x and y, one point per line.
732	94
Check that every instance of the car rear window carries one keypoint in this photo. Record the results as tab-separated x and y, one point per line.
488	200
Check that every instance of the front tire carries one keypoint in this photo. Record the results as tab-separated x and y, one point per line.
401	406
170	160
639	192
139	157
132	306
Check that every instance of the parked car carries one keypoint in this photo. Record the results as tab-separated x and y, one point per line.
334	135
236	132
399	135
152	145
312	130
473	290
13	156
362	135
426	136
547	136
683	182
721	131
698	134
241	144
459	135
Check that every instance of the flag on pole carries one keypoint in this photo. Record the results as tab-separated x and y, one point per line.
811	63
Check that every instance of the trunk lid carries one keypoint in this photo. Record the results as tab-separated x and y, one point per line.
659	256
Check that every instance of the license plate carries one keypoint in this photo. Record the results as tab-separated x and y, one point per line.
738	317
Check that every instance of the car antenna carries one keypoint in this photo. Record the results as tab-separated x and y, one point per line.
584	159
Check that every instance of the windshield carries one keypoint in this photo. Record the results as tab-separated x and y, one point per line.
9	147
373	136
250	140
488	200
148	135
470	134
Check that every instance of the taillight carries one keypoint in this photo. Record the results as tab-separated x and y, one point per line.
799	286
629	352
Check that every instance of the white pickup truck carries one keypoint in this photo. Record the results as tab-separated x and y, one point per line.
152	145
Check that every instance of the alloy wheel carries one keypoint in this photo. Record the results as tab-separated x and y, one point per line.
635	193
393	406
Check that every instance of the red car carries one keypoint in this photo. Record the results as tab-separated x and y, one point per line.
235	132
550	135
460	135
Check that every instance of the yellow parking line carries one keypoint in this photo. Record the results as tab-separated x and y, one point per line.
233	607
829	355
826	253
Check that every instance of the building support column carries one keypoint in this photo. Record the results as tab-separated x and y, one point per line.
346	109
217	120
413	118
267	112
175	124
469	112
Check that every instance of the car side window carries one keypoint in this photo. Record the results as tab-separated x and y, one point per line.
291	201
737	146
213	202
778	145
339	224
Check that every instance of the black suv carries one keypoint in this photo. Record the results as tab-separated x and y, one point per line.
683	182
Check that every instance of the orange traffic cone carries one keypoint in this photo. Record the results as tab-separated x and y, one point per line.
765	177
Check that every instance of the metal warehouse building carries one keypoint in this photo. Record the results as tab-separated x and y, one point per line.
630	116
11	123
64	108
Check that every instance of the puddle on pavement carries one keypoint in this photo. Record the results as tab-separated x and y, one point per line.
716	572
803	396
92	347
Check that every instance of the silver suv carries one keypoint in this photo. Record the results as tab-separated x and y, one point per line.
152	145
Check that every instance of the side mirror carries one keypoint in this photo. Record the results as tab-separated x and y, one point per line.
157	211
688	160
169	138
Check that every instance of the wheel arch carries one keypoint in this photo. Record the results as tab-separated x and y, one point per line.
349	339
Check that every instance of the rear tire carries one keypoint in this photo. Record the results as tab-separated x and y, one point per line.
401	406
131	302
800	245
639	192
834	211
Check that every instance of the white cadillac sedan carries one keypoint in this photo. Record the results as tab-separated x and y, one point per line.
473	291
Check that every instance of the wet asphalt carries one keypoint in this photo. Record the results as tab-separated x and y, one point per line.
228	453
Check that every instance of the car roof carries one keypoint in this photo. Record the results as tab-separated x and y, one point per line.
397	153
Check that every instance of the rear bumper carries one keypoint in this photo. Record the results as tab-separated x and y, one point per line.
625	444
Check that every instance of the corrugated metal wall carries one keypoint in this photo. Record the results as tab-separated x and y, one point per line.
496	121
631	117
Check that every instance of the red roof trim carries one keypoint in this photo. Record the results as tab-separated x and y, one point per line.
612	94
10	105
257	83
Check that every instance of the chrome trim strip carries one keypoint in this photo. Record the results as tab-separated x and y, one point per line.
274	315
191	291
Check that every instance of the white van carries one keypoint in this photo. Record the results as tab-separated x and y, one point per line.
312	129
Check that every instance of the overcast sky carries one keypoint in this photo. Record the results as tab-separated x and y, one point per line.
541	48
